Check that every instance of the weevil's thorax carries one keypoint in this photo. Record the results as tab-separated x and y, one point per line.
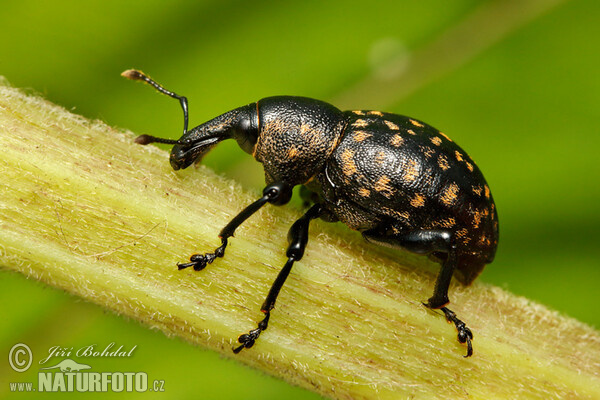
296	137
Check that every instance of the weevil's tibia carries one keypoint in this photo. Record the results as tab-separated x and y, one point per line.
297	238
276	193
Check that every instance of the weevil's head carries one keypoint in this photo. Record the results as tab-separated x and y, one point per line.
240	124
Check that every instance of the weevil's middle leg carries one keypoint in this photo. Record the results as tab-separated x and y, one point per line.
298	238
277	193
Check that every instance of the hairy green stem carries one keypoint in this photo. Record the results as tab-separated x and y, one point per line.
85	209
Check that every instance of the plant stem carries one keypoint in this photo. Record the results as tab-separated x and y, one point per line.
85	209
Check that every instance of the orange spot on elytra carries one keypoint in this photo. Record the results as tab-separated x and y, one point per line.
477	219
462	233
444	135
450	194
427	151
360	123
443	162
444	223
411	171
418	200
382	186
436	140
359	136
391	125
396	140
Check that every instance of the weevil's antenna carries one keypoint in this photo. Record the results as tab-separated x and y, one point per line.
147	139
136	75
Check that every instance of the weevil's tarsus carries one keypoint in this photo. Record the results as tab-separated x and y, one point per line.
200	261
464	333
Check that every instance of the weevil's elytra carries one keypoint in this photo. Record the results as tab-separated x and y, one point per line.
397	180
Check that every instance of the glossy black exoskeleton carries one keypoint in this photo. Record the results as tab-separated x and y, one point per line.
397	180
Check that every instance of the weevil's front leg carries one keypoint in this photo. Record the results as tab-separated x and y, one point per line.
277	193
297	237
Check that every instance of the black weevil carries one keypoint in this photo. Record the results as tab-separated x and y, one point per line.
397	180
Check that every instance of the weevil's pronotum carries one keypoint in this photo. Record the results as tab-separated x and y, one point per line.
397	180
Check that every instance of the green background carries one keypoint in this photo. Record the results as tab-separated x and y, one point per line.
522	98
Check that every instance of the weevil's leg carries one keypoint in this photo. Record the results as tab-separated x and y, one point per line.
297	238
277	193
426	242
440	299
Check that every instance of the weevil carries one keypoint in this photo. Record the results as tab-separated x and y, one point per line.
398	181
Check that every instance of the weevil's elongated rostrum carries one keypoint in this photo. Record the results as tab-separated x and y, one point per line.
397	180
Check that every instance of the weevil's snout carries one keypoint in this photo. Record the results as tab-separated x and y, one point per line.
177	158
182	156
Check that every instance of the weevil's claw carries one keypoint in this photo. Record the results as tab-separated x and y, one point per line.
247	340
464	333
200	261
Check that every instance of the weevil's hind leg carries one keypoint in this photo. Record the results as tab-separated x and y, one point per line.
297	237
427	242
276	193
440	299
